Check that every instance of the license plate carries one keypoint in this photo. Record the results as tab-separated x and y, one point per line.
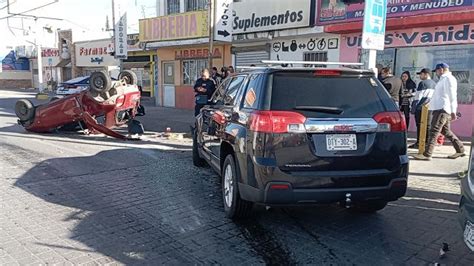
469	235
341	142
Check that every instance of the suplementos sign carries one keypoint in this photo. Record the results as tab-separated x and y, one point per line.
457	34
188	25
335	11
265	15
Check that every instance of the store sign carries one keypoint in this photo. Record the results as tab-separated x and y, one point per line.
373	32
174	27
95	53
121	50
335	11
133	42
196	53
458	34
223	20
265	15
295	49
50	57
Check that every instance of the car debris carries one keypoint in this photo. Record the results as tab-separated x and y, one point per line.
105	105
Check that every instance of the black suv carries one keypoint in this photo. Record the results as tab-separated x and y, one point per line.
292	136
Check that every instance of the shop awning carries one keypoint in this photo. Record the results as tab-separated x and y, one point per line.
135	64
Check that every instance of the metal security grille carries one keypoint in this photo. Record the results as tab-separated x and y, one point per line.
172	6
249	58
194	5
316	57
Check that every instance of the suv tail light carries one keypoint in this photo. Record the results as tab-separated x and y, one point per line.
390	122
277	122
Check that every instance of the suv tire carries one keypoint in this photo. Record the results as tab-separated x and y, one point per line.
234	206
100	82
369	206
197	160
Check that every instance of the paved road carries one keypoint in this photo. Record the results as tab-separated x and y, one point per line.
77	199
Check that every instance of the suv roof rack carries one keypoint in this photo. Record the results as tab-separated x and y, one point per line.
274	62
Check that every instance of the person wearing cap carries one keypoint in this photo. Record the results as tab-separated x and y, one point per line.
424	93
444	107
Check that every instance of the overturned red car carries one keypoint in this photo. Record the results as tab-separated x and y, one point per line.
99	109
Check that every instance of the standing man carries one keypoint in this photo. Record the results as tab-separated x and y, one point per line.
423	96
216	76
392	84
444	107
204	88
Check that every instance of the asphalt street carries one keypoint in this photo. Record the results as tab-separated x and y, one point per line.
68	199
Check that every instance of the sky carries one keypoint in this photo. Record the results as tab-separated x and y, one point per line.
86	18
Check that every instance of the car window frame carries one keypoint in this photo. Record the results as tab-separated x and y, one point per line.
222	87
238	94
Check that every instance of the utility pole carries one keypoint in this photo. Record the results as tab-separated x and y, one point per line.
39	57
211	16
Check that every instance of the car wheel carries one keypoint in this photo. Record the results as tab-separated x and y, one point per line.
128	76
369	206
197	160
100	82
234	206
25	110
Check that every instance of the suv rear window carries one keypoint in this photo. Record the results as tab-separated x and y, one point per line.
339	96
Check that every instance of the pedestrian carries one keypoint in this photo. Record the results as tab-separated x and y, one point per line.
231	71
444	107
379	71
406	94
216	76
423	96
224	72
204	88
392	84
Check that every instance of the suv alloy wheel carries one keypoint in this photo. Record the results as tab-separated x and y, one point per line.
234	206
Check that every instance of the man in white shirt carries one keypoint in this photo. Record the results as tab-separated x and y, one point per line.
444	106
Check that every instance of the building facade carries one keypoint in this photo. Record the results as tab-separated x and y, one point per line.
180	41
419	34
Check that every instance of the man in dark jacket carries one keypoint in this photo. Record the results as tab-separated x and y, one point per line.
204	88
392	84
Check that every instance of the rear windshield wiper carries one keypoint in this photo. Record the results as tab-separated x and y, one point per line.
321	109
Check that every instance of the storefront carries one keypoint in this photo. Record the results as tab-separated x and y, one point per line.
94	56
51	73
140	62
266	31
182	48
441	37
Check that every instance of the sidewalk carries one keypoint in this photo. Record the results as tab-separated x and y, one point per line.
157	119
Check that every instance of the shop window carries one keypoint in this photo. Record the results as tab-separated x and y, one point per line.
192	70
172	6
194	5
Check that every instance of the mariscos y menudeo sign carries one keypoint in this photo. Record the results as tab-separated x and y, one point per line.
335	11
265	15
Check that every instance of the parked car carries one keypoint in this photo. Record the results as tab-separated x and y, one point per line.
466	204
295	136
112	103
73	86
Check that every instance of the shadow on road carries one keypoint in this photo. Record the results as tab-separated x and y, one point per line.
150	206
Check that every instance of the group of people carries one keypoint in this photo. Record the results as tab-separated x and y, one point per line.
207	83
441	98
